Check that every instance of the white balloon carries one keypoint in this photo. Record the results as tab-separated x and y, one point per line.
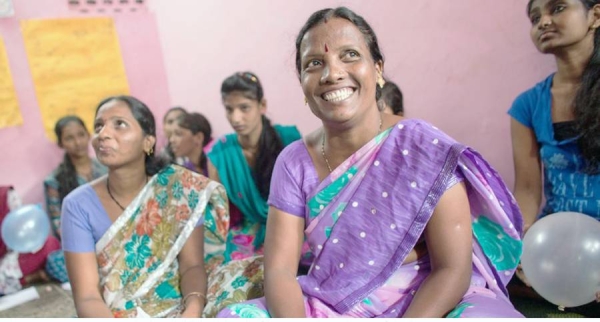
561	258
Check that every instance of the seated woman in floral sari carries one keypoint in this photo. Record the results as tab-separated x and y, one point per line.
139	233
403	220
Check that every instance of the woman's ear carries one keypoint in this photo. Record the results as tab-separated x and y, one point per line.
379	67
379	70
595	12
149	142
199	138
263	106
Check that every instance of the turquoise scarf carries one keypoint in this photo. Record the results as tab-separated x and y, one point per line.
236	175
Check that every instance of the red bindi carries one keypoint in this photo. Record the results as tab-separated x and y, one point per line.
326	48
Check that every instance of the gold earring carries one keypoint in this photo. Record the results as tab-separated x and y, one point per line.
381	82
149	153
305	100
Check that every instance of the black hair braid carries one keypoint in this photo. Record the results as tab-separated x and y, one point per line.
269	147
66	177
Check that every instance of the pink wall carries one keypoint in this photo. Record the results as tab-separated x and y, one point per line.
28	155
459	63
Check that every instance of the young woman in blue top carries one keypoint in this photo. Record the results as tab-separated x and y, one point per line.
555	125
557	122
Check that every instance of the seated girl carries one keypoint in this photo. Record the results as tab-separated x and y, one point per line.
18	270
243	161
169	122
77	168
191	134
555	125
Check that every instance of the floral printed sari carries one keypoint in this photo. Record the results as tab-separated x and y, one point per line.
236	281
137	256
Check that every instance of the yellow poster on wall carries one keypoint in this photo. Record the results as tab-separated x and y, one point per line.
74	63
10	115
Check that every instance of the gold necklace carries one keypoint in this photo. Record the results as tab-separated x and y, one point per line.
323	144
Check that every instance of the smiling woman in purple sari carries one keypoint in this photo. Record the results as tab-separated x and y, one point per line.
403	220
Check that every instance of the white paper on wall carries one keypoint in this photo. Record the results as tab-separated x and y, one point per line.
6	8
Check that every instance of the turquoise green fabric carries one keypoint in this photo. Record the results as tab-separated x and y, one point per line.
456	313
236	175
503	251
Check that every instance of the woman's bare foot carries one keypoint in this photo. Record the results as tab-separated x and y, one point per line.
38	276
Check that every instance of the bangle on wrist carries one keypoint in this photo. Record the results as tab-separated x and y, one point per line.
198	294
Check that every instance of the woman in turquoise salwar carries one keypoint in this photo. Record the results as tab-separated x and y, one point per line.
243	161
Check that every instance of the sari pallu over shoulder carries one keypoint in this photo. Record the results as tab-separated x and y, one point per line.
366	217
137	256
238	179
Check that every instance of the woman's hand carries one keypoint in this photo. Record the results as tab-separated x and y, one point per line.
84	278
283	244
191	311
193	274
521	276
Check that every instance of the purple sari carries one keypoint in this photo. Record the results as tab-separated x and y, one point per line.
365	218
